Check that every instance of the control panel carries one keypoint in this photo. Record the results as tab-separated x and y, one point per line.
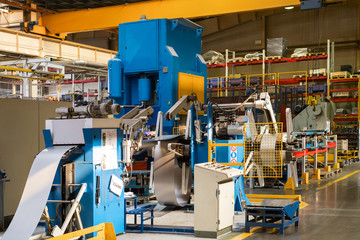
214	198
228	172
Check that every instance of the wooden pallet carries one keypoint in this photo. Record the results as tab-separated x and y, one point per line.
339	75
213	62
315	54
355	76
236	60
274	57
298	76
252	59
325	174
337	170
317	75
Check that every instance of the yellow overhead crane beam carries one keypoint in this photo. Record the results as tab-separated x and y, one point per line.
111	17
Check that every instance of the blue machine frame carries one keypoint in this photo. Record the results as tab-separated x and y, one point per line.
151	55
99	204
223	155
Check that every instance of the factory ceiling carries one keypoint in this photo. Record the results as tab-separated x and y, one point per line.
79	4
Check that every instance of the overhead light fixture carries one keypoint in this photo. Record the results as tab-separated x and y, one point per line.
289	7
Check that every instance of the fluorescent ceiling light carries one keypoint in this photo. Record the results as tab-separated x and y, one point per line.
289	7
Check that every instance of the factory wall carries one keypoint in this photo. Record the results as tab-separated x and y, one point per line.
21	139
300	28
101	39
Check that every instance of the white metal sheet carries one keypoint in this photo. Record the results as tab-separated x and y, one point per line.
36	193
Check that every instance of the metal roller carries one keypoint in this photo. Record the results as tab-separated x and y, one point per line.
172	183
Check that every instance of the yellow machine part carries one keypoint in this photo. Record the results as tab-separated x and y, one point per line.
189	84
105	231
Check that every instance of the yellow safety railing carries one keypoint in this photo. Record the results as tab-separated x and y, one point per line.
223	80
105	231
211	150
295	72
263	149
264	76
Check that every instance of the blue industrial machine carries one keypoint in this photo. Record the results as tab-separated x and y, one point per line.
90	179
158	62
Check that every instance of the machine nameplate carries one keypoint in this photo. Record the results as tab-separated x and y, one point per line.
116	185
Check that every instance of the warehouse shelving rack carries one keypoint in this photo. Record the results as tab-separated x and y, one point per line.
267	61
346	125
223	82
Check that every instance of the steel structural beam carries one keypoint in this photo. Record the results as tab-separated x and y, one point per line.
111	17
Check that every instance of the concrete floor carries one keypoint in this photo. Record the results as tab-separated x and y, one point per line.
333	212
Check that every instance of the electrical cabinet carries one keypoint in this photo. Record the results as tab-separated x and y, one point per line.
214	199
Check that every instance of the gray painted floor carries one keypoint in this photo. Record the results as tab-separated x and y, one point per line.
333	213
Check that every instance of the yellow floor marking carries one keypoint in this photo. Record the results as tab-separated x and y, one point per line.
245	235
338	180
303	205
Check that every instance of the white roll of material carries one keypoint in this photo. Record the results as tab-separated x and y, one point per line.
36	193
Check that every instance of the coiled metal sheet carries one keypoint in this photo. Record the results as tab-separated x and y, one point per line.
168	176
36	193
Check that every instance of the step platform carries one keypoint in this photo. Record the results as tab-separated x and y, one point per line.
272	213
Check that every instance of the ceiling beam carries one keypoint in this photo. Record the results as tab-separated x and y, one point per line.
111	17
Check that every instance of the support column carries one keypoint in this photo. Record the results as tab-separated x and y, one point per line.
358	38
25	88
335	150
304	158
13	89
315	155
33	88
73	89
263	32
226	72
328	68
326	153
58	91
99	89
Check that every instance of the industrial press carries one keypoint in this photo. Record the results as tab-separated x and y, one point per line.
148	75
158	62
